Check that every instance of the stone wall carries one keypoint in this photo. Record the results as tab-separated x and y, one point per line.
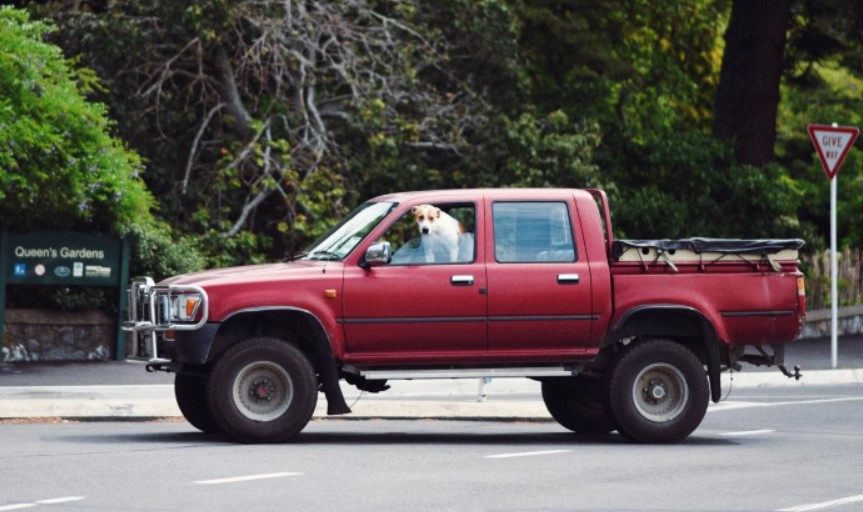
39	335
818	322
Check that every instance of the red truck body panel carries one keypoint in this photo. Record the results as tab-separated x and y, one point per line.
512	312
744	305
299	286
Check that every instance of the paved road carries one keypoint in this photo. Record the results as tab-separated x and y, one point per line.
781	446
766	449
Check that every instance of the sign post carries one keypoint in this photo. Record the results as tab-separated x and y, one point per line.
832	144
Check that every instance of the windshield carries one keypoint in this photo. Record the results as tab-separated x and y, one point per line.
346	235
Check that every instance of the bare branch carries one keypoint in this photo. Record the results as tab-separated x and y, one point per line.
193	152
306	68
248	209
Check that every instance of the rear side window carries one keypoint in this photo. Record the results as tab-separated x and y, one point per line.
532	232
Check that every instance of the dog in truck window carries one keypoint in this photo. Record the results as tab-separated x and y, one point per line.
441	234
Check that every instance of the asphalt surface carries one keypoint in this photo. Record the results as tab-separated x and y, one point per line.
127	390
774	450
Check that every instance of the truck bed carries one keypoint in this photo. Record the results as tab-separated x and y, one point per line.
750	290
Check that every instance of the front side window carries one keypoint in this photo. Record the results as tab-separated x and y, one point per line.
433	234
532	232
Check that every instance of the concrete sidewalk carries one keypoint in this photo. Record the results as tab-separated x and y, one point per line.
503	398
124	390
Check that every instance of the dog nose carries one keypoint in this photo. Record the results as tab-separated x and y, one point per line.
425	231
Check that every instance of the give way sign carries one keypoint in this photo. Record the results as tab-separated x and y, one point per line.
832	144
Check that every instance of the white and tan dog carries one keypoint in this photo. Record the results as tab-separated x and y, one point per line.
441	233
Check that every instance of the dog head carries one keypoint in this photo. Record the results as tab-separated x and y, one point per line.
426	215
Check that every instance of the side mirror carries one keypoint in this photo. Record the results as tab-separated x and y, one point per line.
378	254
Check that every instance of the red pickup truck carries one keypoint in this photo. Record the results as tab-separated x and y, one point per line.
624	335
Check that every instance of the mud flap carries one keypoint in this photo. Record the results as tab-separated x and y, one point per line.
713	366
336	404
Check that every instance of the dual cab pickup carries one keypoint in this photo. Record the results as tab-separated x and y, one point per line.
623	335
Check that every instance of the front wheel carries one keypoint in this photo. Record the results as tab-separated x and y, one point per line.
190	390
577	404
657	392
263	390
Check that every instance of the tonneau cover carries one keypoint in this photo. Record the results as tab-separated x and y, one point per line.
711	245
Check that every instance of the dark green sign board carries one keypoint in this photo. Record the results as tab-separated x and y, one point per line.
64	258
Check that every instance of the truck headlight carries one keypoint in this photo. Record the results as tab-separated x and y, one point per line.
184	307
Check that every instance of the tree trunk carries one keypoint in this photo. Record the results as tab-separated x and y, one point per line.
227	86
748	93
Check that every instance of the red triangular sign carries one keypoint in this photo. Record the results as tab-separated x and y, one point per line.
832	144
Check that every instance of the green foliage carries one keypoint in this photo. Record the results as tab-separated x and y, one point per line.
528	151
60	168
648	65
549	152
484	48
58	162
690	184
156	253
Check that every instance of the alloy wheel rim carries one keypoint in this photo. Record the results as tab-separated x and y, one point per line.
262	391
660	392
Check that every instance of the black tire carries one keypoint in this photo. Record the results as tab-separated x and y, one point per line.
657	392
191	393
263	390
577	404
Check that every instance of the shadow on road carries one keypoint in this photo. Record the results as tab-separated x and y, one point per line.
391	438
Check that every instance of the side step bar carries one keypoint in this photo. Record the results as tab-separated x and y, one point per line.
468	373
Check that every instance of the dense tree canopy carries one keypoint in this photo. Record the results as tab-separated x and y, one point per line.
261	122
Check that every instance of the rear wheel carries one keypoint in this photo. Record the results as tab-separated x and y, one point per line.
577	404
190	391
263	390
657	392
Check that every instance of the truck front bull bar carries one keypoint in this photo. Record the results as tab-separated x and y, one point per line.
152	310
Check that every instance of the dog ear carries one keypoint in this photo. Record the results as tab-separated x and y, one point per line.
414	210
437	212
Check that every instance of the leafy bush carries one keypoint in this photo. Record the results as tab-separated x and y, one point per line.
689	184
58	162
60	168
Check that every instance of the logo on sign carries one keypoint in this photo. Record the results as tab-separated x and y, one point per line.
39	269
78	269
97	271
20	269
62	271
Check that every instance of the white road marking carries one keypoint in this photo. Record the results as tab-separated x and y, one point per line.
53	501
245	478
730	406
525	454
747	433
17	506
823	505
56	501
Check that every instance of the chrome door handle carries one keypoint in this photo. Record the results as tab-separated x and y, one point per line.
567	278
461	280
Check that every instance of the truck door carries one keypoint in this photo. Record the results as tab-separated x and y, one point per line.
419	305
539	289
